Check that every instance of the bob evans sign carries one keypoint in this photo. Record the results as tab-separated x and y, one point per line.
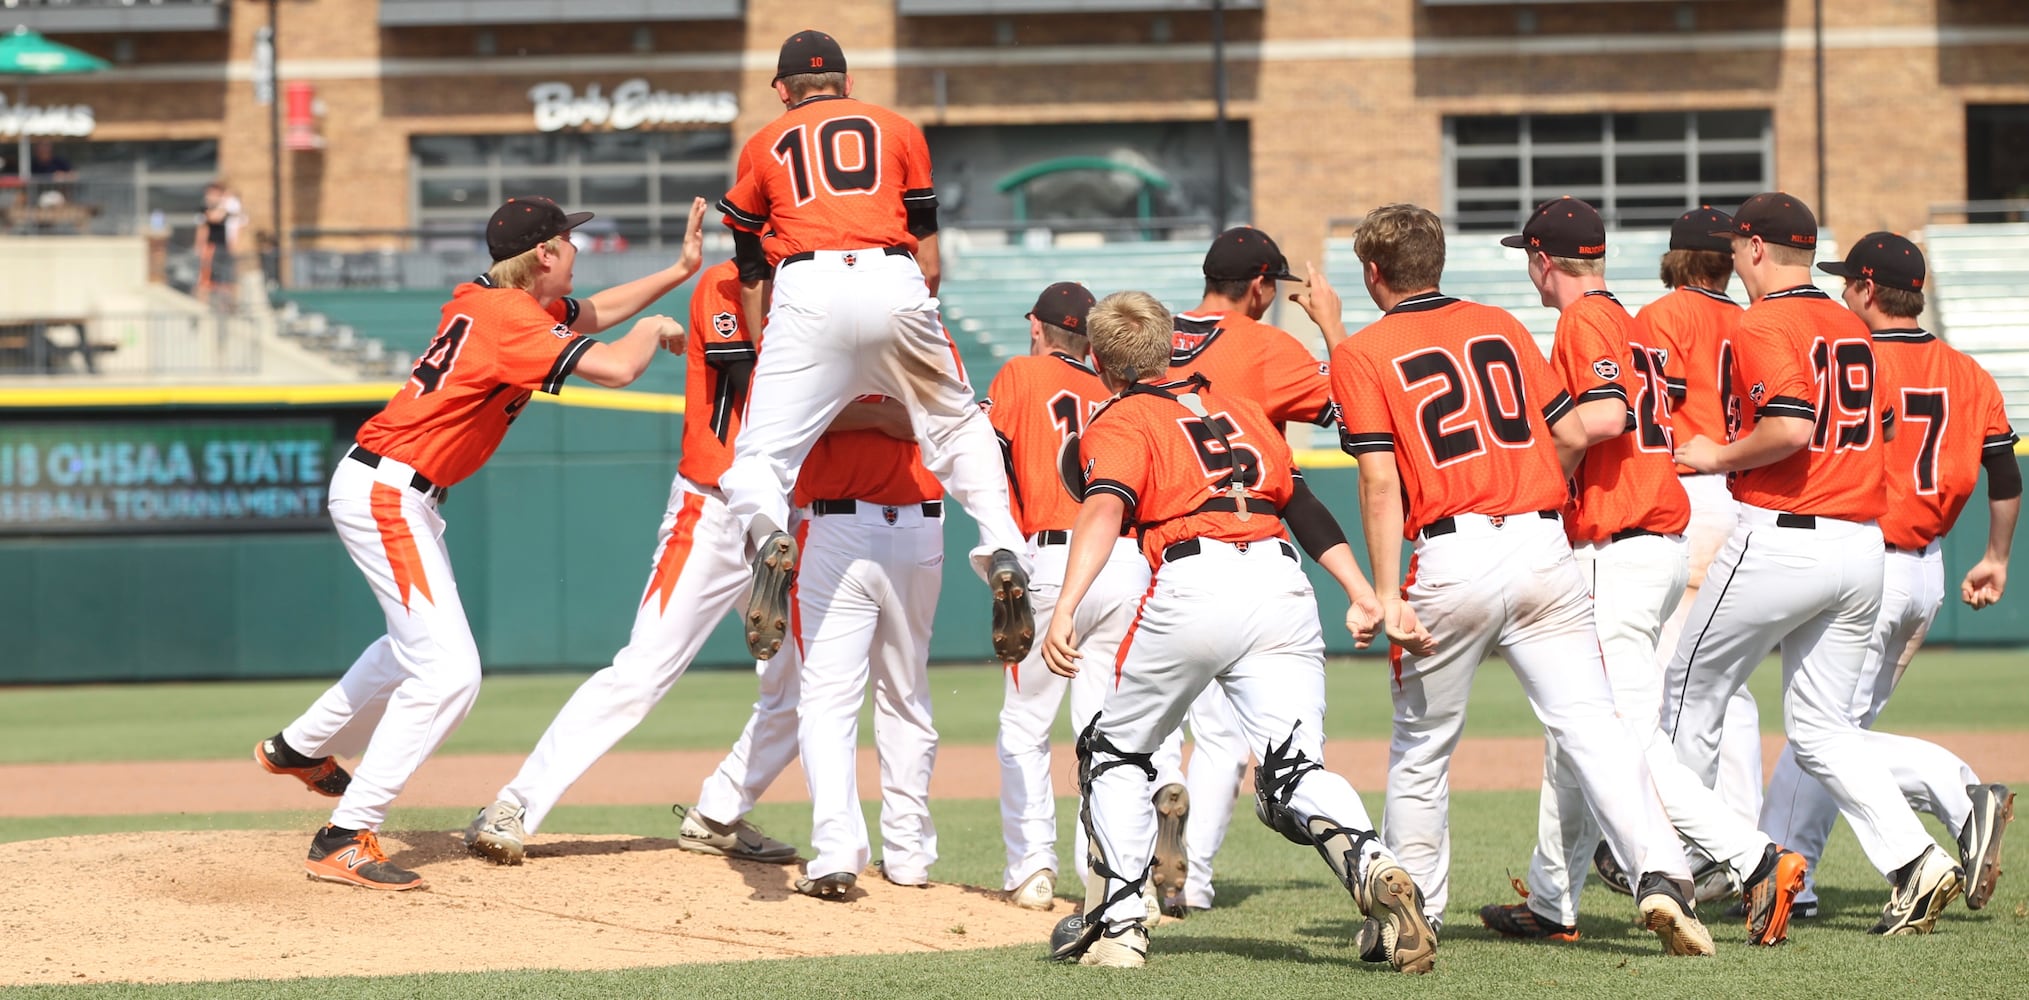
632	104
49	119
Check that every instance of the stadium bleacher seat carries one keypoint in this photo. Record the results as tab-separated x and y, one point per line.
1979	300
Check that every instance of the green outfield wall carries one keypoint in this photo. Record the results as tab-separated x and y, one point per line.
551	543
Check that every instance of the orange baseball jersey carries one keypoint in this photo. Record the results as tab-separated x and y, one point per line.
1166	462
1038	407
831	173
1695	329
1461	395
1800	354
1952	416
1242	356
1628	482
493	349
865	465
719	364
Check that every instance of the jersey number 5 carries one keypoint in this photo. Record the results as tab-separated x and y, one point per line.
1213	438
441	356
848	156
1451	418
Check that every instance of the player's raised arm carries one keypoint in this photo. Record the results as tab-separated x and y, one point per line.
614	306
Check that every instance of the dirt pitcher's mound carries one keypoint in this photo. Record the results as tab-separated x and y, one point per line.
191	906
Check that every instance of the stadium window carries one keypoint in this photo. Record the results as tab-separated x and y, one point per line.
638	183
1642	169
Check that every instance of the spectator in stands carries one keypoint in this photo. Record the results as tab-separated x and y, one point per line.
46	164
218	242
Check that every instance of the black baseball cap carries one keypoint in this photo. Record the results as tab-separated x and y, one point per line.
809	51
1698	229
1780	219
1563	227
1885	259
1064	304
523	224
1244	253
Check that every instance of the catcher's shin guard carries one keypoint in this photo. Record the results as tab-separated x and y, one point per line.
1090	746
1275	781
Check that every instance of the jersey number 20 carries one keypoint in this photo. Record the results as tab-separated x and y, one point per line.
1453	419
847	153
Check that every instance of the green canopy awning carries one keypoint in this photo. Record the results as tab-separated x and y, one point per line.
27	53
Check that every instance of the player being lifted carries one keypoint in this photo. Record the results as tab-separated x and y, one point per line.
1954	423
503	336
1464	438
841	191
1206	482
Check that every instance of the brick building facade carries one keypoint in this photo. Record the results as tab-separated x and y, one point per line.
1341	104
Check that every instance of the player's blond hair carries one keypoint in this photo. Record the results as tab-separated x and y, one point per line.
1405	243
520	270
1707	269
1579	267
802	85
1065	339
1783	256
1131	334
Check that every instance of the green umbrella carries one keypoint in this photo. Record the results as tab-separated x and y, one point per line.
26	53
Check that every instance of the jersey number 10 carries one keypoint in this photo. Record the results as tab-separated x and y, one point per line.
847	153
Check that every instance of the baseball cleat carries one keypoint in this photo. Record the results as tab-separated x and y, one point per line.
740	839
833	886
1518	921
767	617
1121	947
497	835
1671	916
1925	887
1170	865
1980	841
1014	621
319	774
1712	882
1371	941
354	857
1037	892
1392	898
1769	899
1610	871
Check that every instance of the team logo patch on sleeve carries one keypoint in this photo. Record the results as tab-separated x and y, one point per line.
725	324
1607	369
561	331
1759	390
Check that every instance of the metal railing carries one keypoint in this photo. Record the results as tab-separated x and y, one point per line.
1997	210
155	343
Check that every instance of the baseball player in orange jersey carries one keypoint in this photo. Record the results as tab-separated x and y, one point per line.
1694	326
873	547
842	191
695	576
1804	568
1039	404
1464	437
1954	423
1206	481
502	337
1625	524
1225	340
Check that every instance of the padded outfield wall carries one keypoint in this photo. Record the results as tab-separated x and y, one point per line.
551	543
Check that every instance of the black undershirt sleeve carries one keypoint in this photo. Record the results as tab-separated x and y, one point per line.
2004	475
749	257
1311	521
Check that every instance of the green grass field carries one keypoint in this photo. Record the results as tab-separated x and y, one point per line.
1279	930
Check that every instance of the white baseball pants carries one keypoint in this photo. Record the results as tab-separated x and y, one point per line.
1816	591
1218	768
1714	514
404	695
695	576
865	596
1246	620
844	325
1510	586
1028	806
1634	584
1799	812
